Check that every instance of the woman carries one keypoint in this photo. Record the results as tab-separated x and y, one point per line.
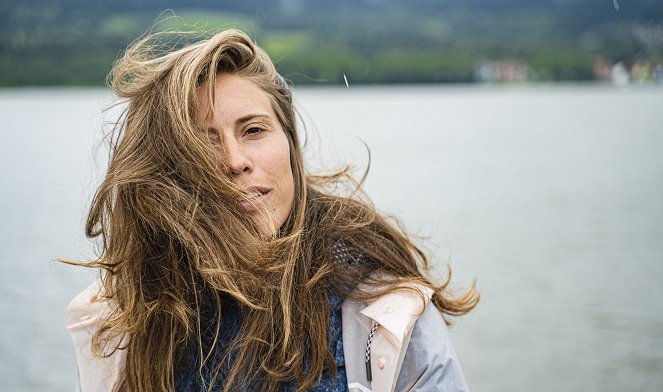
225	266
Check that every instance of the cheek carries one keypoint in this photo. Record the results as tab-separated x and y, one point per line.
289	182
286	168
279	165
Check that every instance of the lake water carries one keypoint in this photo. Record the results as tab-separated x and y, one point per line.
550	196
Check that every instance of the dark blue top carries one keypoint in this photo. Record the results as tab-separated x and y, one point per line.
189	379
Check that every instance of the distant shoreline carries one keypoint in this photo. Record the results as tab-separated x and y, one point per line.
330	86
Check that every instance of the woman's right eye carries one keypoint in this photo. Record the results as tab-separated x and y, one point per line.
213	136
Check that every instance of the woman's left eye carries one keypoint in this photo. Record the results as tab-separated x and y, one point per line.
253	131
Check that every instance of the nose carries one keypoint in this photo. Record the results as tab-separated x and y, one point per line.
237	157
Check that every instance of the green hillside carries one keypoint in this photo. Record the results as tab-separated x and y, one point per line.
74	42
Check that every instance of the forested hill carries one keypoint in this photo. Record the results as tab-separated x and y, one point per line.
74	42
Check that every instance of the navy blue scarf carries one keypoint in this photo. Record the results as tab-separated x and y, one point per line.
189	379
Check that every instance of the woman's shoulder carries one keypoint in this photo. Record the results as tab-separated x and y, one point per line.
85	313
430	362
411	345
87	307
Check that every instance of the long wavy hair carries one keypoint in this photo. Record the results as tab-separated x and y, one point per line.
174	240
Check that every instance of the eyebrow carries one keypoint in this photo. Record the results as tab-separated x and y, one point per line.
248	117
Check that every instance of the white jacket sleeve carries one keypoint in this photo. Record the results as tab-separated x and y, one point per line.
84	315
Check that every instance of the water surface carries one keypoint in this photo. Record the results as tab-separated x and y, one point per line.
548	195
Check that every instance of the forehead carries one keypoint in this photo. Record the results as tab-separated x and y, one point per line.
232	95
238	87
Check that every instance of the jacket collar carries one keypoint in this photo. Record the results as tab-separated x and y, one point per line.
398	311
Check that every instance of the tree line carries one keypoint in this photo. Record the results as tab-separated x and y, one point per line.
74	42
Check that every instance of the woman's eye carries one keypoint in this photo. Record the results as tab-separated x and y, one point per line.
253	131
213	137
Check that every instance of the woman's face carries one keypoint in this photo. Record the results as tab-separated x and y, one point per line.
250	135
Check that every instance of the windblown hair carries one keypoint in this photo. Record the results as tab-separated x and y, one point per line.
174	239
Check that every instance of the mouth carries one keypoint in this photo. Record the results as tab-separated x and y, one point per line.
256	195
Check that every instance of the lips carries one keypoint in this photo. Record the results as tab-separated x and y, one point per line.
257	195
